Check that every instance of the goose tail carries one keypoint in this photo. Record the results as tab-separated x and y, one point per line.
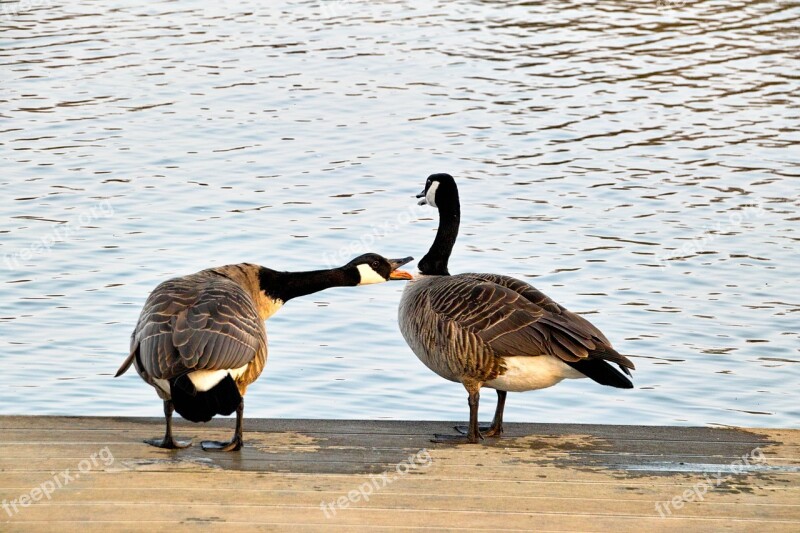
603	373
201	406
126	364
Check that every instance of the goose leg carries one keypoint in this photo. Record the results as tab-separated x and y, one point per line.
235	443
169	443
496	429
473	433
497	423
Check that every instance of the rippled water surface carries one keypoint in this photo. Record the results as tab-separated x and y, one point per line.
637	161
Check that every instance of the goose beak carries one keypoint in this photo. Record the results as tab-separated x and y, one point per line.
400	274
424	200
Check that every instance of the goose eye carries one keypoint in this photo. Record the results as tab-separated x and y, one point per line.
374	263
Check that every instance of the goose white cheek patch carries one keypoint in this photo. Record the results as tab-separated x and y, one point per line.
430	196
369	276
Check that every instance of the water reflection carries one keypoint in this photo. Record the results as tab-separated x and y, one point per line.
635	160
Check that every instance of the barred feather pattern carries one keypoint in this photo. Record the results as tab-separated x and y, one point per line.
211	320
462	326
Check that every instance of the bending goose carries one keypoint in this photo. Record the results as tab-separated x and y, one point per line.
201	340
495	331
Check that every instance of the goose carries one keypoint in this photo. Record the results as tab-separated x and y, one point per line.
494	331
201	339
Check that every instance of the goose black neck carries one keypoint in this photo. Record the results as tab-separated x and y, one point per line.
285	286
435	261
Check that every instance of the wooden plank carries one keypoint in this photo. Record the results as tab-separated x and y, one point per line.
396	427
593	485
542	476
362	516
379	516
131	490
12	444
163	502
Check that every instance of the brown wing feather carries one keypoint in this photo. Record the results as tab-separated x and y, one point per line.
199	322
578	328
535	296
513	318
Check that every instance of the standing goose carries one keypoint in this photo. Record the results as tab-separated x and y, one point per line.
490	330
200	340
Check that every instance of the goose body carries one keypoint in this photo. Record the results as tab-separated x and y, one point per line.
495	331
447	301
200	340
204	327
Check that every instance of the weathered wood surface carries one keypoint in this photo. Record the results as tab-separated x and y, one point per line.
311	475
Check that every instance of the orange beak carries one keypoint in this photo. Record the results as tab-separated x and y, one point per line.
400	274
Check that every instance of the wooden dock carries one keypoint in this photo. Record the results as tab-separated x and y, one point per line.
95	474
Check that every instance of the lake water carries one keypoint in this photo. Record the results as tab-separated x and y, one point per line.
638	161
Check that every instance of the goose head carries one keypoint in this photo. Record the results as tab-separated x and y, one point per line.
439	190
373	268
